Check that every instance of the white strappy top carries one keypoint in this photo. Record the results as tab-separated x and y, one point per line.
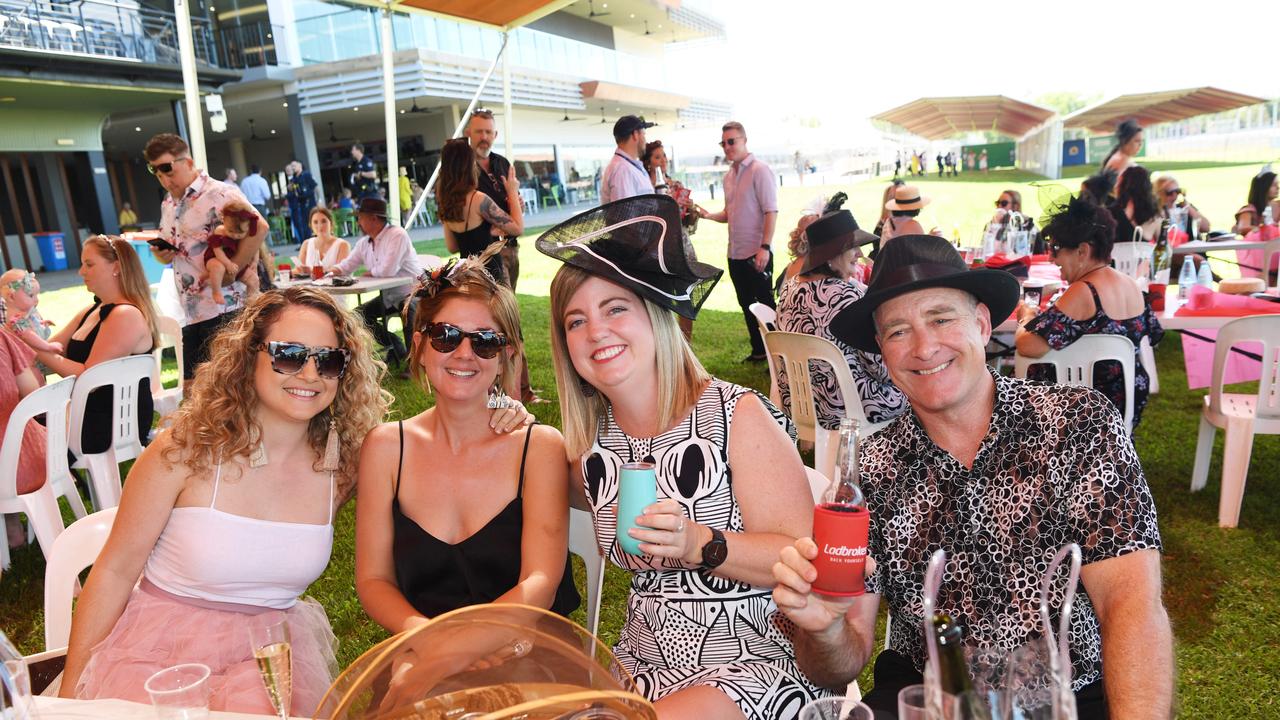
209	554
313	253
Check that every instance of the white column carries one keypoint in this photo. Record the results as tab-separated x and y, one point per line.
186	51
389	114
238	161
506	100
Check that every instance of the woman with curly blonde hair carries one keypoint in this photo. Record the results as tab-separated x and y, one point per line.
228	515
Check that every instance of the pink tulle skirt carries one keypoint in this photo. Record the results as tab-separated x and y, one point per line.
158	630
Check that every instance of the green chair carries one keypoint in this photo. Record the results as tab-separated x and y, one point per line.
345	220
281	233
552	196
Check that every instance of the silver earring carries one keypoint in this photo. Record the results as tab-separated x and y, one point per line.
498	399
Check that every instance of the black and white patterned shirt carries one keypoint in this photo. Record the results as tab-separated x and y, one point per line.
807	307
1055	467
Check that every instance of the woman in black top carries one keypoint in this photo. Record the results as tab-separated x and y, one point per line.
451	513
1135	207
472	220
121	322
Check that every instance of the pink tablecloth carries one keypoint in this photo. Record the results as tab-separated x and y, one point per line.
1198	347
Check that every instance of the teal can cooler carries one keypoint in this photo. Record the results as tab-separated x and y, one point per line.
637	490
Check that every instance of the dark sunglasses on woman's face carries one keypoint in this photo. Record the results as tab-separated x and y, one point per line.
163	168
1002	203
1173	193
288	358
446	338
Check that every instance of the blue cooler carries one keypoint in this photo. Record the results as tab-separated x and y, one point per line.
52	251
151	267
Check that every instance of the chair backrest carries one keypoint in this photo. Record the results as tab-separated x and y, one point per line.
170	337
582	542
768	321
50	401
818	484
76	548
1074	364
123	375
430	262
1129	255
1265	331
795	351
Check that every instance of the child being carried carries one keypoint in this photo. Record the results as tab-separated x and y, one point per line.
239	221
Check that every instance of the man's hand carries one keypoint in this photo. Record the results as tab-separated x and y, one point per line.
794	594
762	258
702	212
164	256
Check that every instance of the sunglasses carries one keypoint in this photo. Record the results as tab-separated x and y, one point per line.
1002	203
1173	192
446	338
731	141
288	358
163	168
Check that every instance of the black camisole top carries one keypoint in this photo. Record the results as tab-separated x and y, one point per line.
436	577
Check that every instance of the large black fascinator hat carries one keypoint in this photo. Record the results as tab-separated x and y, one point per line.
636	242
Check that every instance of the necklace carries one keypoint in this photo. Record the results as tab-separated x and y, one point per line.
1091	271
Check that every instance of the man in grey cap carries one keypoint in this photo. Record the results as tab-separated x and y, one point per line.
625	176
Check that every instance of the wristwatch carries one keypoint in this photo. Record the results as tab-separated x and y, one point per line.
715	551
766	246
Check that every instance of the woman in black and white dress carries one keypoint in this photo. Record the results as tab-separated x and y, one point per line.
822	289
702	636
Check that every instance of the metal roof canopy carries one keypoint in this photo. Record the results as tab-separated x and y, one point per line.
941	117
500	14
1157	107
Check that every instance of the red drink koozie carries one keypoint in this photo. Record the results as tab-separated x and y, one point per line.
840	532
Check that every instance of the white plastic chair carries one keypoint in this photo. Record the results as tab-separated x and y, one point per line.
41	505
75	549
1128	256
582	542
767	318
1240	416
166	400
1147	356
795	351
1074	364
430	262
123	375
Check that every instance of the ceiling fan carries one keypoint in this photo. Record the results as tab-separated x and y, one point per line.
253	133
333	137
592	7
566	118
416	109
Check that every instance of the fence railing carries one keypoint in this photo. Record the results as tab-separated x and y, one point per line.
123	30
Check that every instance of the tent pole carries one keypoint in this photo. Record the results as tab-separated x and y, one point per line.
186	53
389	115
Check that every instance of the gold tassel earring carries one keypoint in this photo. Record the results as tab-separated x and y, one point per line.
258	458
331	448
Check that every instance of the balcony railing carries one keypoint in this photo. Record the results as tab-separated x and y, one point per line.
246	46
122	30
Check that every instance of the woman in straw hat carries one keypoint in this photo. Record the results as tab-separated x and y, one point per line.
904	208
702	636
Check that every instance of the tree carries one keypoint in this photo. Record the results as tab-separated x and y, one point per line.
1067	101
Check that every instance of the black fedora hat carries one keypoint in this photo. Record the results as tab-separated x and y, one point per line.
636	242
830	235
373	206
917	262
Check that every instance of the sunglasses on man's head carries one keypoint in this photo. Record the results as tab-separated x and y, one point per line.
1002	203
731	141
163	168
446	338
288	358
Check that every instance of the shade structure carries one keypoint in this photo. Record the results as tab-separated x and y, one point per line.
487	662
502	14
1157	107
938	118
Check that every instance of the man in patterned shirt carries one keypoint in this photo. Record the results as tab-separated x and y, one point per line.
188	214
1000	473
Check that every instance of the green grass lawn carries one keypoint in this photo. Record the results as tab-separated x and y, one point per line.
1220	585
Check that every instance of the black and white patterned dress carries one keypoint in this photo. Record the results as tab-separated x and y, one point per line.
686	627
807	307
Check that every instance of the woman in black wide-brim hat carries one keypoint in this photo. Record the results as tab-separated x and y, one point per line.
702	635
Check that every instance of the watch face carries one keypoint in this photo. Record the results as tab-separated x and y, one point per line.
715	551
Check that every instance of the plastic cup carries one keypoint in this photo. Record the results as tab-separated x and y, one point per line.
912	703
637	490
282	274
180	692
840	532
835	708
1157	291
317	272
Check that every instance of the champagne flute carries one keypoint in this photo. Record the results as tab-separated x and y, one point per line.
273	653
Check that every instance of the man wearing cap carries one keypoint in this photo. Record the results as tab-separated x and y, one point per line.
625	177
386	251
1001	473
751	209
